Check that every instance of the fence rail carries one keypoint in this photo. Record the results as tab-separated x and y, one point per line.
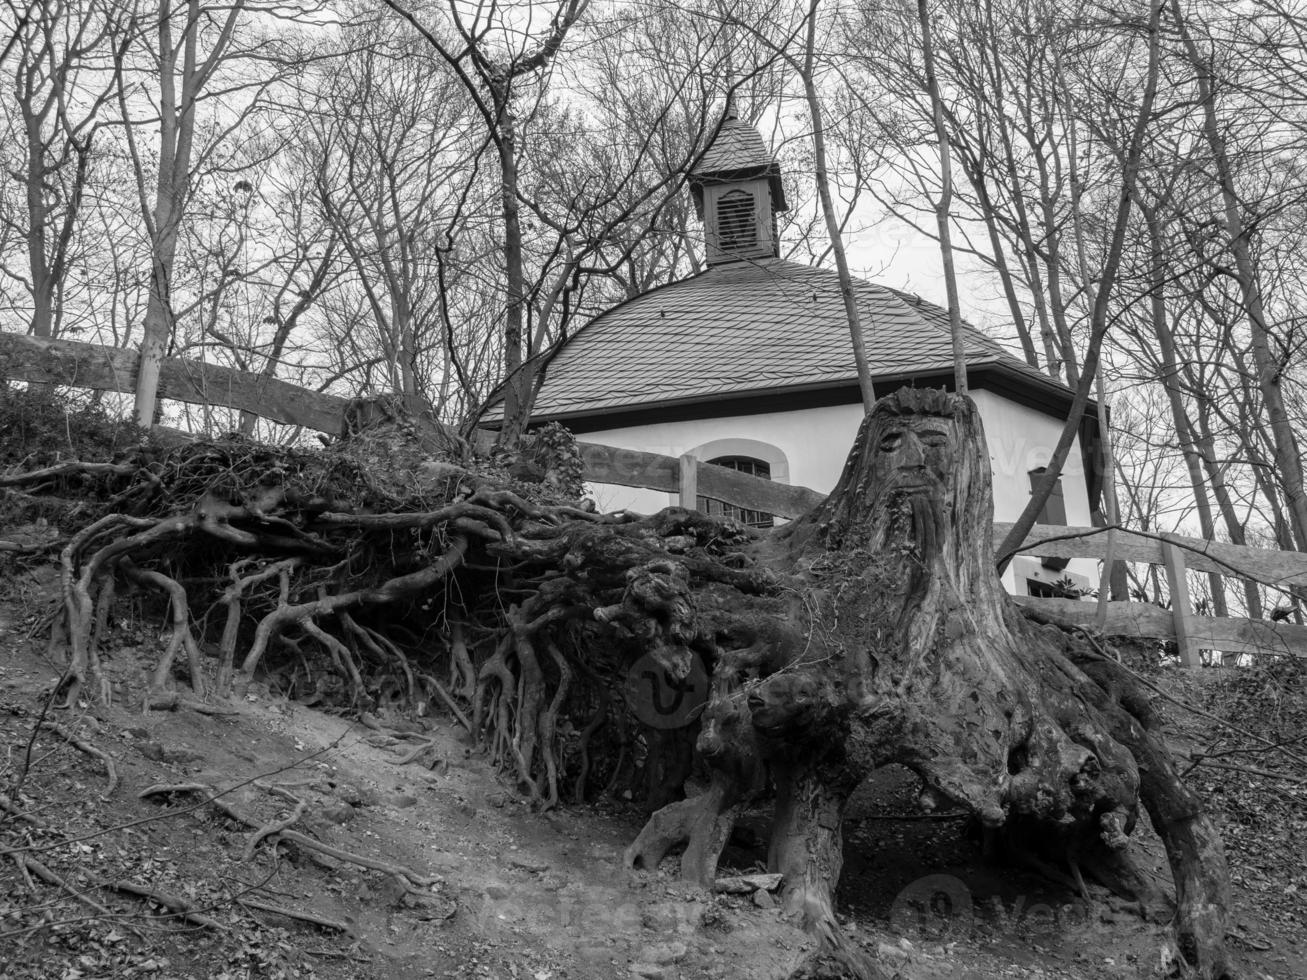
79	365
76	364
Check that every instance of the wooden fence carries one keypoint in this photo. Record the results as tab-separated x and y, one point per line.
78	365
1178	554
75	364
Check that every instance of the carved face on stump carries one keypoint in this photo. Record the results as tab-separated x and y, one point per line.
915	455
917	483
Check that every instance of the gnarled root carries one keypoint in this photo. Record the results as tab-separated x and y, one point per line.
807	847
702	823
1193	846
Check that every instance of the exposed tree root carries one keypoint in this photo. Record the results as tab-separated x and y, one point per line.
60	471
411	880
276	826
416	753
182	908
309	917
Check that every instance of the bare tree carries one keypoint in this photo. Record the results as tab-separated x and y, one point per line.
203	73
59	57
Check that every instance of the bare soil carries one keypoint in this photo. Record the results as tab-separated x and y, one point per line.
514	893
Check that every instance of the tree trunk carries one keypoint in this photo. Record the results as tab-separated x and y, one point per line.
516	384
828	211
901	646
944	206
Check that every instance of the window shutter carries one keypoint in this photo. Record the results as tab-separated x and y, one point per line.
1054	512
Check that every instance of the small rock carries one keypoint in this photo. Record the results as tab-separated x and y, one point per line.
891	954
526	864
650	971
325	861
338	813
354	795
390	891
743	884
497	800
664	953
763	899
435	470
176	755
402	801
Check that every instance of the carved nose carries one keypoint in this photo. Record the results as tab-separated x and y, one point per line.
912	457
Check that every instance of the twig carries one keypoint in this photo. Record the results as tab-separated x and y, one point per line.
316	920
172	902
27	878
85	746
31	738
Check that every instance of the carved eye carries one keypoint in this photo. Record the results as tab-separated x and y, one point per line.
891	441
934	438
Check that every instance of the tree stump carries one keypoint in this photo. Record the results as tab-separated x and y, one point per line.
896	643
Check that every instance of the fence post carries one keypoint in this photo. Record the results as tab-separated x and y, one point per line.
689	477
1182	615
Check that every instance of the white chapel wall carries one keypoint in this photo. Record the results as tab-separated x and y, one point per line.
1022	439
809	447
812	441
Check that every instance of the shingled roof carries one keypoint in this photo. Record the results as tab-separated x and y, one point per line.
753	327
738	147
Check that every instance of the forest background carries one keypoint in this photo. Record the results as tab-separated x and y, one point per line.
424	198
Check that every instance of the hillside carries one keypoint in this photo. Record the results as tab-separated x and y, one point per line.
494	889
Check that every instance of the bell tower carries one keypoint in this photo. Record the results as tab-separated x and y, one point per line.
737	194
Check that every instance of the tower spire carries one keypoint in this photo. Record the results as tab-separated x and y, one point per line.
737	192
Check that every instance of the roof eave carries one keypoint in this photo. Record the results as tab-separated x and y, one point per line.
1049	388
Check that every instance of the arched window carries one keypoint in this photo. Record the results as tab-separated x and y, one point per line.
737	222
719	508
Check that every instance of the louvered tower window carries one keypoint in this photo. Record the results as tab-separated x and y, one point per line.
719	508
737	221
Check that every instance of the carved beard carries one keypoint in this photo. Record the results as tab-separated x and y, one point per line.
915	534
926	525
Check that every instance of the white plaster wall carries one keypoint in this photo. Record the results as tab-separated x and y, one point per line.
811	444
1021	439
